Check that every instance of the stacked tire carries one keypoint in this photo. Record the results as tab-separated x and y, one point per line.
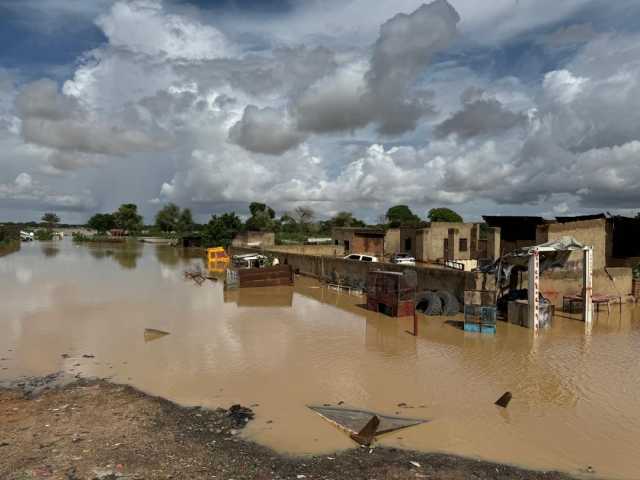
437	303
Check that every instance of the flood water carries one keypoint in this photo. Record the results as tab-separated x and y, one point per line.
576	395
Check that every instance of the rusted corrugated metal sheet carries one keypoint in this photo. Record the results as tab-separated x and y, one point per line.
265	277
392	293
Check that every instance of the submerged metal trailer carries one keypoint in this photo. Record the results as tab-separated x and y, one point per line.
260	277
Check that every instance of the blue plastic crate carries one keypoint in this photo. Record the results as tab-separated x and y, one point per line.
472	327
488	315
489	329
480	328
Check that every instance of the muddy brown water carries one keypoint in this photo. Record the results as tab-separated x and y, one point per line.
576	395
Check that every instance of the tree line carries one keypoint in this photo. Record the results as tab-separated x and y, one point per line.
293	226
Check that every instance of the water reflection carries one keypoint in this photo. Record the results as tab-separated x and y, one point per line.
126	254
259	297
49	250
174	256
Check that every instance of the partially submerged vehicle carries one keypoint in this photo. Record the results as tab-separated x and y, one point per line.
249	260
27	236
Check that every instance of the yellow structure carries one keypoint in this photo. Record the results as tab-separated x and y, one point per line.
217	254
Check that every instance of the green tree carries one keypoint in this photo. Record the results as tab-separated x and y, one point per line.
256	207
185	221
51	219
102	222
444	215
167	217
221	230
401	215
303	217
346	219
127	218
288	224
262	217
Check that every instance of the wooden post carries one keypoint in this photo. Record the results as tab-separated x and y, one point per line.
534	289
587	285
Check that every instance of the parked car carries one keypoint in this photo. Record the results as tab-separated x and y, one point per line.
361	258
403	259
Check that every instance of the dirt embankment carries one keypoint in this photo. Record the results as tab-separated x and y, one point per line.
98	430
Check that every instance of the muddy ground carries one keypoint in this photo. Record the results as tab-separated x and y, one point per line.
98	430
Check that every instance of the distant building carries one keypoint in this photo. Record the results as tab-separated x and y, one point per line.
191	241
360	240
515	231
254	239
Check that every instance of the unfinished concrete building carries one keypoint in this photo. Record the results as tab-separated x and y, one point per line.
360	240
439	241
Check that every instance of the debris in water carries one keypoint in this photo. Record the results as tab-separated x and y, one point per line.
151	334
196	275
504	400
368	433
88	356
415	464
355	422
240	415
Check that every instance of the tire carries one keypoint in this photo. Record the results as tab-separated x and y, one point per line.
450	304
429	303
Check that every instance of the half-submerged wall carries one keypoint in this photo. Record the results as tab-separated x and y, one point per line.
355	273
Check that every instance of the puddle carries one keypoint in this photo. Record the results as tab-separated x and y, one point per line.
576	396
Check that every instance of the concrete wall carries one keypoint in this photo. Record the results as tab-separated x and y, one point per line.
392	241
355	273
554	284
587	232
328	250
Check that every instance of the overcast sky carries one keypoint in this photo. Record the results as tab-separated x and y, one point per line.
501	107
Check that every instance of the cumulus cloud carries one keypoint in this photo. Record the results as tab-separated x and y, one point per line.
57	121
386	93
480	116
142	26
365	106
265	130
26	191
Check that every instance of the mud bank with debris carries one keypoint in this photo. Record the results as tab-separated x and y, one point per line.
99	430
